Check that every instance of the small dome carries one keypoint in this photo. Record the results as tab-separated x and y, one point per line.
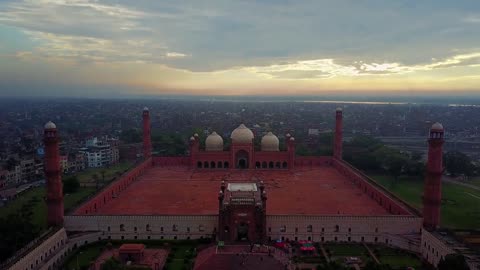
339	109
288	135
437	126
145	109
195	135
50	125
242	134
192	138
214	142
270	142
292	139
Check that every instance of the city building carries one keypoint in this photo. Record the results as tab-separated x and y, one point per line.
76	162
101	153
64	163
3	178
23	171
130	152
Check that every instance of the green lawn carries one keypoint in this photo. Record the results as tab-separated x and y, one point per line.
84	256
398	259
345	249
87	175
180	252
39	208
401	261
87	254
474	181
74	199
339	251
408	189
37	196
460	205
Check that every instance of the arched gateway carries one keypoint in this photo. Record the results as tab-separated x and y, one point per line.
241	159
242	212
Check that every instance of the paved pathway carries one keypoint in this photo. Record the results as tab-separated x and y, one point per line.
371	254
450	180
324	253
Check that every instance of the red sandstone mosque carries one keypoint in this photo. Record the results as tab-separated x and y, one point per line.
240	194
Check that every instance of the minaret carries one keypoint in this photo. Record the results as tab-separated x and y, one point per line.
263	223
337	147
194	149
432	194
291	151
52	169
221	216
147	140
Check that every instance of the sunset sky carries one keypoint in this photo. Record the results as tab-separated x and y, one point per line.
269	47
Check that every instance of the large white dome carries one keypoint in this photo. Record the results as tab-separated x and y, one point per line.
214	142
50	125
270	142
242	134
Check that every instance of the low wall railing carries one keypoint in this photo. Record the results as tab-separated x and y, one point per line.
380	187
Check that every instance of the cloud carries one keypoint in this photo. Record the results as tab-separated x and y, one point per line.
71	17
456	60
185	44
82	48
472	19
175	55
328	68
221	35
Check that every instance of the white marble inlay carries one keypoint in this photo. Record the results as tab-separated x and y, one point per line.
242	187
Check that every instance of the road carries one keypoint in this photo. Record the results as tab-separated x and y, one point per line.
449	180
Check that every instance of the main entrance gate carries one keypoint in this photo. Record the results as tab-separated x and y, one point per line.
242	212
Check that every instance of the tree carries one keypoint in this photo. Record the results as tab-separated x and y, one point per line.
331	266
71	184
95	178
414	168
302	150
16	230
453	261
374	266
416	156
457	163
102	172
361	153
112	264
394	165
131	136
169	144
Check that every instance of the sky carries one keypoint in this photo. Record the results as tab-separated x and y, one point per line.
263	47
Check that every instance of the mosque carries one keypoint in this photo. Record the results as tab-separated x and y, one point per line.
240	194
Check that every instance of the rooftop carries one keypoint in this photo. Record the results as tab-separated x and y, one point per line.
182	191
